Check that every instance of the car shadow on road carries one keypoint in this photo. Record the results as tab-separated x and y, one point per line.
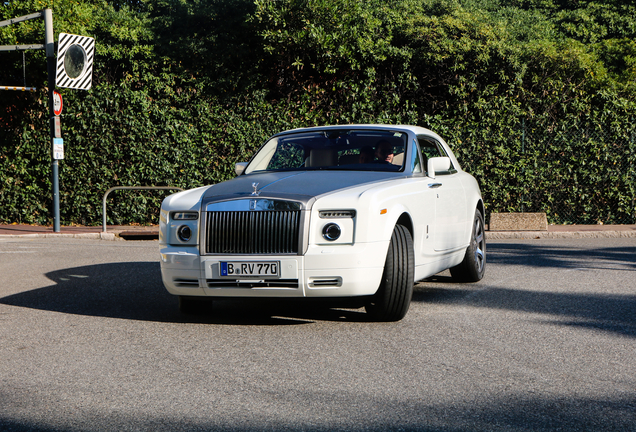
613	313
134	290
609	313
562	257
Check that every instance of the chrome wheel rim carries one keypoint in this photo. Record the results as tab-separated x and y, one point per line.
480	244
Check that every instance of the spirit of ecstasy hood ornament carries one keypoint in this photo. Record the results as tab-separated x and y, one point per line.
256	192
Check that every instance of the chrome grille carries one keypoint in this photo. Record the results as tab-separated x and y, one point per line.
253	232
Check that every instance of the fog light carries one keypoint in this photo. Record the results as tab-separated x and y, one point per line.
331	232
184	233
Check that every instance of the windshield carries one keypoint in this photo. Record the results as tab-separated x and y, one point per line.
356	150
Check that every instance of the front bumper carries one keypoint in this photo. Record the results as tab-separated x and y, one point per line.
323	271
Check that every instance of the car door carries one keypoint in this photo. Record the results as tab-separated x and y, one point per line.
423	210
449	197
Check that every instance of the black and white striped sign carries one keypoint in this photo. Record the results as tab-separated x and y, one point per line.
75	56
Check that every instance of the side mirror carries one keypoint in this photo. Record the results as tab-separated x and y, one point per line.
438	164
239	168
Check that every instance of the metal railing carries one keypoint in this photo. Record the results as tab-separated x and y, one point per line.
130	188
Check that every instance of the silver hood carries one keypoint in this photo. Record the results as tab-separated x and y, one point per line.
303	186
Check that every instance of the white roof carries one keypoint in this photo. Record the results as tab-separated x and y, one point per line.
418	130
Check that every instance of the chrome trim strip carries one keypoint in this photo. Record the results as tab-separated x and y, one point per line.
274	283
254	204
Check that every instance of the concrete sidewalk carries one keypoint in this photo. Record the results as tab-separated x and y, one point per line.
568	231
115	232
152	232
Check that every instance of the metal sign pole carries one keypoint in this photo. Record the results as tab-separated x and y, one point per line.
79	51
49	44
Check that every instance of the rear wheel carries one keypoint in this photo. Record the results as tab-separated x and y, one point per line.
393	298
473	267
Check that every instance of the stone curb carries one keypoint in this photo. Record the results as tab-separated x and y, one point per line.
529	235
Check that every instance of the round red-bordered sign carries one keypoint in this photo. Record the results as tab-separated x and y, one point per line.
57	103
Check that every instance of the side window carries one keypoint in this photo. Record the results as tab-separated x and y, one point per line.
431	148
416	166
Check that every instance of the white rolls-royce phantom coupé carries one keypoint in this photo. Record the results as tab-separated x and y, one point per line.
357	212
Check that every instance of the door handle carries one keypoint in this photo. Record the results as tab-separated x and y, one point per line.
434	185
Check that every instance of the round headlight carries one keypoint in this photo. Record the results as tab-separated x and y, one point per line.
184	233
331	231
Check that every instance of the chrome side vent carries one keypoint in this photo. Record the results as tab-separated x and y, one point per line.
186	283
253	232
325	282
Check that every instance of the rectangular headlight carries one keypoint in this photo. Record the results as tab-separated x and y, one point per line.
185	215
337	214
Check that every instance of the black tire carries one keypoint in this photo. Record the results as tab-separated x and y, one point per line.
393	298
473	267
194	305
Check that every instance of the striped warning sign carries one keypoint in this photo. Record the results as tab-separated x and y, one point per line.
75	56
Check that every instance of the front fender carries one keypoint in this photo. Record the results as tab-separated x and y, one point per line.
395	214
189	200
386	208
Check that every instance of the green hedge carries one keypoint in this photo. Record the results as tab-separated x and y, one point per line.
538	109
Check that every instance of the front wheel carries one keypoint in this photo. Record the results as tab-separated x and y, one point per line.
393	298
473	267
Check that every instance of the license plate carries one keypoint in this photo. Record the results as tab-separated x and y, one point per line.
261	269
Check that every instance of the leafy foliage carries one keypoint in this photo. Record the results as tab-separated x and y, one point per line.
535	96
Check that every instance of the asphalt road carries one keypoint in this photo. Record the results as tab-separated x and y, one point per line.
90	341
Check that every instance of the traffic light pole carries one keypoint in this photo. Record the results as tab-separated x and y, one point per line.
49	45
